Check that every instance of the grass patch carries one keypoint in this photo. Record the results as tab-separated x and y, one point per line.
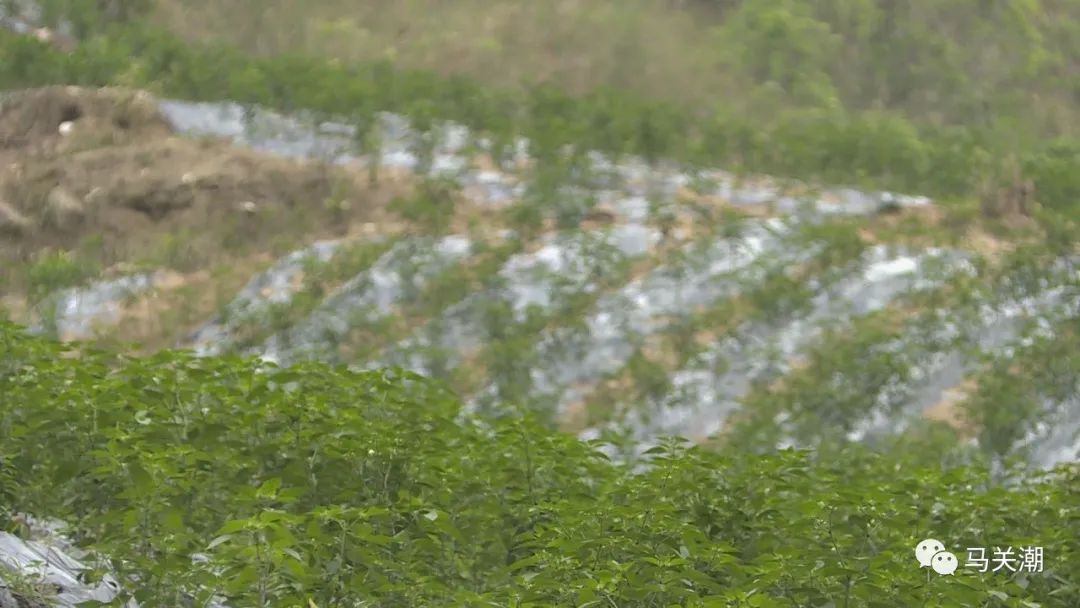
52	271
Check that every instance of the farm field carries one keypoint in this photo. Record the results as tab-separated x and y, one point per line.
462	304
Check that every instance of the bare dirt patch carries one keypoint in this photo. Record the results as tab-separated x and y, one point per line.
178	303
32	119
949	409
103	163
100	175
956	226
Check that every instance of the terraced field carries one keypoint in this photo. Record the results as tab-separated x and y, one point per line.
401	305
645	300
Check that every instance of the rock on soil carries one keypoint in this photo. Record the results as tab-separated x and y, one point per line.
32	118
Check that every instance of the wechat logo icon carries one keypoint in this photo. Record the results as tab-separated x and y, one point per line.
932	554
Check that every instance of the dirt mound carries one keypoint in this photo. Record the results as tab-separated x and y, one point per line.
155	186
55	116
115	173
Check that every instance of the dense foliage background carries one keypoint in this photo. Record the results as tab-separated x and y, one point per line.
371	489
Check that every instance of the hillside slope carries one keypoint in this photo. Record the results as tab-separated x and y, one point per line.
614	296
245	259
1007	66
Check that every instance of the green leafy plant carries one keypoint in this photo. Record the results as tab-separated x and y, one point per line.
52	271
335	487
431	207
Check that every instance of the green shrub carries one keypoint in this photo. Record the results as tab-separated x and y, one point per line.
431	207
52	271
316	484
1057	178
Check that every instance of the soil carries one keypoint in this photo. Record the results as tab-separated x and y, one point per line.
31	119
949	409
101	174
104	163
